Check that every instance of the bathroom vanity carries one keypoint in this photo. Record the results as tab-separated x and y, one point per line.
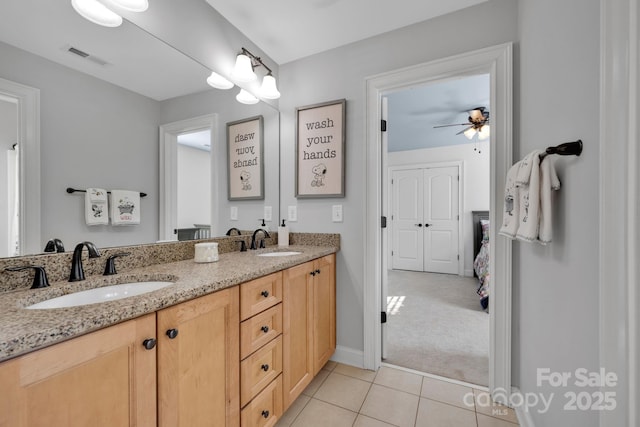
229	343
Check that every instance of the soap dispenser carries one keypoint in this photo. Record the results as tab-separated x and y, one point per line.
283	234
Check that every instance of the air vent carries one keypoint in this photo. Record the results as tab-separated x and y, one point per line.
87	56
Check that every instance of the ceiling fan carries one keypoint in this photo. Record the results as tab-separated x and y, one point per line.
478	123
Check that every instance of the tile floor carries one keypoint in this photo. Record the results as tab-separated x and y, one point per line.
342	395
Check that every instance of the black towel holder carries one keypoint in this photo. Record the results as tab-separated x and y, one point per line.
75	190
573	148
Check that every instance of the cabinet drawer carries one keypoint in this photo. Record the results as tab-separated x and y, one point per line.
266	409
260	294
259	369
259	330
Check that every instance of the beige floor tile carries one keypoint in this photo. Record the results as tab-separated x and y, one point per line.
363	421
486	406
330	365
316	383
343	391
485	421
294	410
391	406
400	380
438	414
446	392
352	371
322	414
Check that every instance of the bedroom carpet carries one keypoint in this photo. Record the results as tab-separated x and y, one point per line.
436	325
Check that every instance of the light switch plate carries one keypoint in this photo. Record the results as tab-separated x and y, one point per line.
336	213
292	213
234	213
268	211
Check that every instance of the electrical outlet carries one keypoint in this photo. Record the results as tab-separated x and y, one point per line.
292	213
234	213
336	213
268	213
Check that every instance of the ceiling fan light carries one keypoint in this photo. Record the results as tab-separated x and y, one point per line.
470	133
268	89
219	82
96	12
484	133
243	70
245	97
131	5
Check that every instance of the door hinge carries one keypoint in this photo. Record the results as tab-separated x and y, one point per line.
383	222
383	317
458	257
391	253
383	125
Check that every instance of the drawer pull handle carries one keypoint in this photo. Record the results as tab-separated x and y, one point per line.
264	293
172	333
149	343
265	329
264	367
265	413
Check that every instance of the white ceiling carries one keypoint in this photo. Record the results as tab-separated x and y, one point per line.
287	30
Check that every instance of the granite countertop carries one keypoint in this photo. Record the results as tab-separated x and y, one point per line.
23	330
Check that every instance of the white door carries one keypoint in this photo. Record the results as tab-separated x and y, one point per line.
441	218
425	218
408	204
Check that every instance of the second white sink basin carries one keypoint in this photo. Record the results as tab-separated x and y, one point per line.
283	253
97	295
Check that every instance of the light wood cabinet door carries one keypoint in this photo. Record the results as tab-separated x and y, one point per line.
198	369
105	378
297	331
324	311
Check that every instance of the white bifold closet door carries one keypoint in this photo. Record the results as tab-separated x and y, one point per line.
425	219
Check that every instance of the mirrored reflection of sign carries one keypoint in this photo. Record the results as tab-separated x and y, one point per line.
320	144
245	154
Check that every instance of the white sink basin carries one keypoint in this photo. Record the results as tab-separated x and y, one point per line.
97	295
283	253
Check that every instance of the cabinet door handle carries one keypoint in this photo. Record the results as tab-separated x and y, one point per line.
149	343
264	367
265	413
317	271
172	333
313	273
428	225
265	329
419	225
264	293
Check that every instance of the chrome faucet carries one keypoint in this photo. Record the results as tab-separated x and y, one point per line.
77	273
253	238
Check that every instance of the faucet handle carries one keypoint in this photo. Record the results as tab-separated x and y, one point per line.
40	279
110	267
243	245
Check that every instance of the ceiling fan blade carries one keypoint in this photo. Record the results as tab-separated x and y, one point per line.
464	130
457	124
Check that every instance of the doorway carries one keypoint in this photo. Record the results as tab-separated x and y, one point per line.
497	62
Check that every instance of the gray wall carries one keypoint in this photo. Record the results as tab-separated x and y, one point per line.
93	134
340	73
556	287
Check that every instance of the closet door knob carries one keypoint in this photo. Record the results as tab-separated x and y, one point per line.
264	293
172	333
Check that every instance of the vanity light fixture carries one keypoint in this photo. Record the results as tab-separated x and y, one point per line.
245	97
268	89
101	12
246	63
219	82
243	70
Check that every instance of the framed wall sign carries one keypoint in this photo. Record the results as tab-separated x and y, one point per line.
245	167
320	150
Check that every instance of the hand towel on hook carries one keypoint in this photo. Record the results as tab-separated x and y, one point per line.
96	211
125	207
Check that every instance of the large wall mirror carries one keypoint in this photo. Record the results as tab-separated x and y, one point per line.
104	94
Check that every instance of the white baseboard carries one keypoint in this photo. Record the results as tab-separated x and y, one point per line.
349	356
524	416
468	273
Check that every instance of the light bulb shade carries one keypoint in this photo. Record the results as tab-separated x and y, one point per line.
245	97
469	133
131	5
484	133
219	82
96	12
243	70
268	89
